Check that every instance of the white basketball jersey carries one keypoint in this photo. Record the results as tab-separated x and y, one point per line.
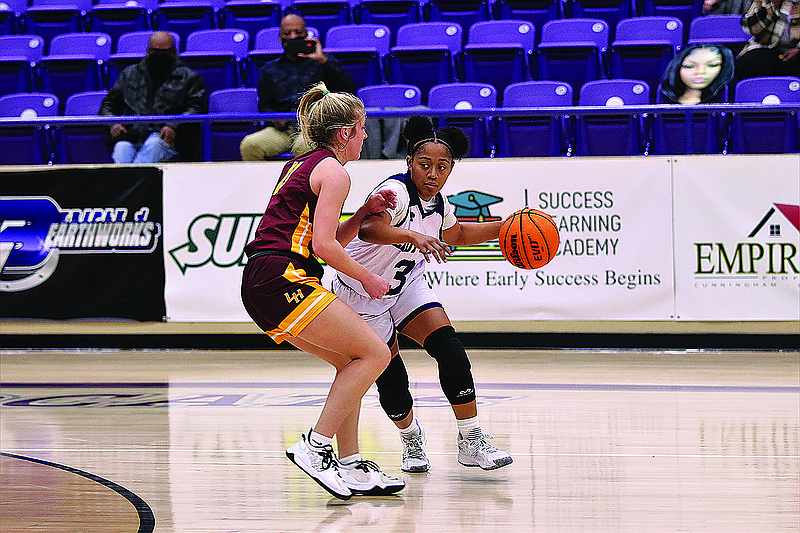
398	263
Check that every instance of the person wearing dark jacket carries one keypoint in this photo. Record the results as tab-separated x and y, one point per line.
697	75
281	83
159	84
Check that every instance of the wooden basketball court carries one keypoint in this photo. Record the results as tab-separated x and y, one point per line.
193	441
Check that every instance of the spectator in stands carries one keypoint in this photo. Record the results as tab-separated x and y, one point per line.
725	7
280	84
159	84
697	74
773	48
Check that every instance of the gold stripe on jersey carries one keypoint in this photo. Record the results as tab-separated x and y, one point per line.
309	305
301	236
289	172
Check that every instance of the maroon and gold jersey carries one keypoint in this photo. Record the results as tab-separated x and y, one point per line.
287	222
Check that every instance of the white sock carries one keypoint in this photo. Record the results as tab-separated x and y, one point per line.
350	459
318	440
469	428
412	430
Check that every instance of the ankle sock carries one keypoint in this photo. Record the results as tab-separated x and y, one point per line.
318	440
350	459
412	430
469	428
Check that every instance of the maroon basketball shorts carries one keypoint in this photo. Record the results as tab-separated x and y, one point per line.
280	296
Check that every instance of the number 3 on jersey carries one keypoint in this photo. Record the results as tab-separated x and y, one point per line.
402	269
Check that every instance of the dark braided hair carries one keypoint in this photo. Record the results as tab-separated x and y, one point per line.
419	130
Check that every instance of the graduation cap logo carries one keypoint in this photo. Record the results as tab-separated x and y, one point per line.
473	206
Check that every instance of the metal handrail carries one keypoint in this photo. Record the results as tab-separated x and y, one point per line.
206	120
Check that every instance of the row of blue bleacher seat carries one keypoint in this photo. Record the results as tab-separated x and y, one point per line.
497	52
48	17
530	131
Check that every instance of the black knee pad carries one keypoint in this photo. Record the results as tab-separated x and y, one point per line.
393	390
455	374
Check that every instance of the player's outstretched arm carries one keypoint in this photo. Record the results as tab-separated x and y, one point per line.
465	234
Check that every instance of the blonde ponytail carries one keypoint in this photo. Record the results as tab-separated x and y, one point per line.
322	113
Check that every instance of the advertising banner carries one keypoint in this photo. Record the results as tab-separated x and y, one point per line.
737	238
211	212
82	243
615	257
614	262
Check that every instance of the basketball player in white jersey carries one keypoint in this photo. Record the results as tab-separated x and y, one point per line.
396	244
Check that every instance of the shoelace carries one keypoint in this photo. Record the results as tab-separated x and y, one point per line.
481	444
367	465
327	457
413	447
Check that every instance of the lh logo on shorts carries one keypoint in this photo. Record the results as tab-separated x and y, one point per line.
296	297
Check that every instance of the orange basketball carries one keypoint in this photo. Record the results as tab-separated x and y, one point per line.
529	238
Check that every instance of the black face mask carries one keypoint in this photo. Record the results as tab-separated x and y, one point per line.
160	64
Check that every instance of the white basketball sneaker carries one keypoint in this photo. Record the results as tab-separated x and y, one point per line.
414	457
475	451
321	465
365	478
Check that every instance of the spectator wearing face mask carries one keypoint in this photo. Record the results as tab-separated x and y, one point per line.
159	84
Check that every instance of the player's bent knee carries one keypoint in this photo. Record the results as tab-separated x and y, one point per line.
455	371
393	393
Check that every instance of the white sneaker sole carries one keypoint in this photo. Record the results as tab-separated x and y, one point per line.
341	496
416	469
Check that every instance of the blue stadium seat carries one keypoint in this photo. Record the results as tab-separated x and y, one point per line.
116	17
226	136
10	13
464	12
536	11
760	132
677	132
84	144
19	55
390	95
612	11
361	50
185	16
619	134
535	136
217	56
426	54
391	13
644	46
75	64
322	14
49	18
26	145
718	29
467	96
686	10
573	50
499	52
250	15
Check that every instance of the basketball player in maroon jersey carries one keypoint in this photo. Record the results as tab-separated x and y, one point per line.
281	287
